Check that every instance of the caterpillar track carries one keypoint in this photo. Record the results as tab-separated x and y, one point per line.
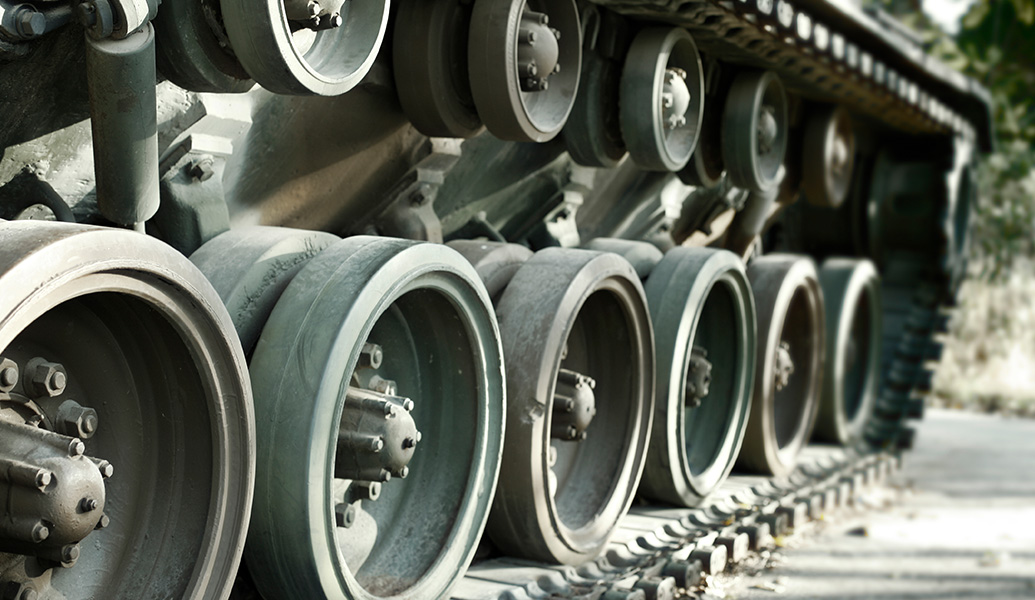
459	298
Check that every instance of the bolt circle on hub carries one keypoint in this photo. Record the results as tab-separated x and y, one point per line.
790	351
350	454
754	130
704	316
306	47
851	294
662	98
524	61
121	338
575	329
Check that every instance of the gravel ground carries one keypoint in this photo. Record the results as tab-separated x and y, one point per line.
957	522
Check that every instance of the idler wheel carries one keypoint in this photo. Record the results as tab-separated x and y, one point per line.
580	363
662	98
524	60
754	130
851	294
305	47
429	53
127	427
251	266
828	157
192	48
381	406
789	364
704	317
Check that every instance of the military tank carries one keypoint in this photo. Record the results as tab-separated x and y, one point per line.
332	298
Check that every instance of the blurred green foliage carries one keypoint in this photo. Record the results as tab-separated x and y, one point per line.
996	46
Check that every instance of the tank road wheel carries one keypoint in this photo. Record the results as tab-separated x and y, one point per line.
789	364
429	53
754	130
662	98
580	363
524	60
191	49
125	410
704	316
496	262
381	408
305	47
251	266
828	157
851	294
592	133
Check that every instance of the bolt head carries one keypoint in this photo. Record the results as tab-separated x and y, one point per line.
40	532
43	478
31	23
70	553
45	379
8	375
76	448
103	522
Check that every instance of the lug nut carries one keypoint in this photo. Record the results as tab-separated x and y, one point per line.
345	515
366	490
8	375
103	522
371	356
105	467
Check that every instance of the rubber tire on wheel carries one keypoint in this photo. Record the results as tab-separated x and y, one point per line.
592	134
790	305
189	53
336	62
147	343
433	317
251	266
508	112
496	262
643	256
699	296
851	294
592	303
651	144
429	55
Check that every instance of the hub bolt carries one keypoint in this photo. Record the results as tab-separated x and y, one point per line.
345	515
87	505
44	379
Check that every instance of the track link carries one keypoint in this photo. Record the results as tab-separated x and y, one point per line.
656	543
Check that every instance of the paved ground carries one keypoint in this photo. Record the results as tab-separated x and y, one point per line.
958	522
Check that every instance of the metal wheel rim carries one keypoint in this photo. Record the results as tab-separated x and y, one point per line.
789	302
852	299
740	121
651	145
337	60
507	111
138	304
355	284
430	61
189	52
527	519
682	292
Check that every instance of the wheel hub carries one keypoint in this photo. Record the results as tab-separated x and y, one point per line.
675	98
378	436
52	492
574	406
699	377
784	366
538	51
